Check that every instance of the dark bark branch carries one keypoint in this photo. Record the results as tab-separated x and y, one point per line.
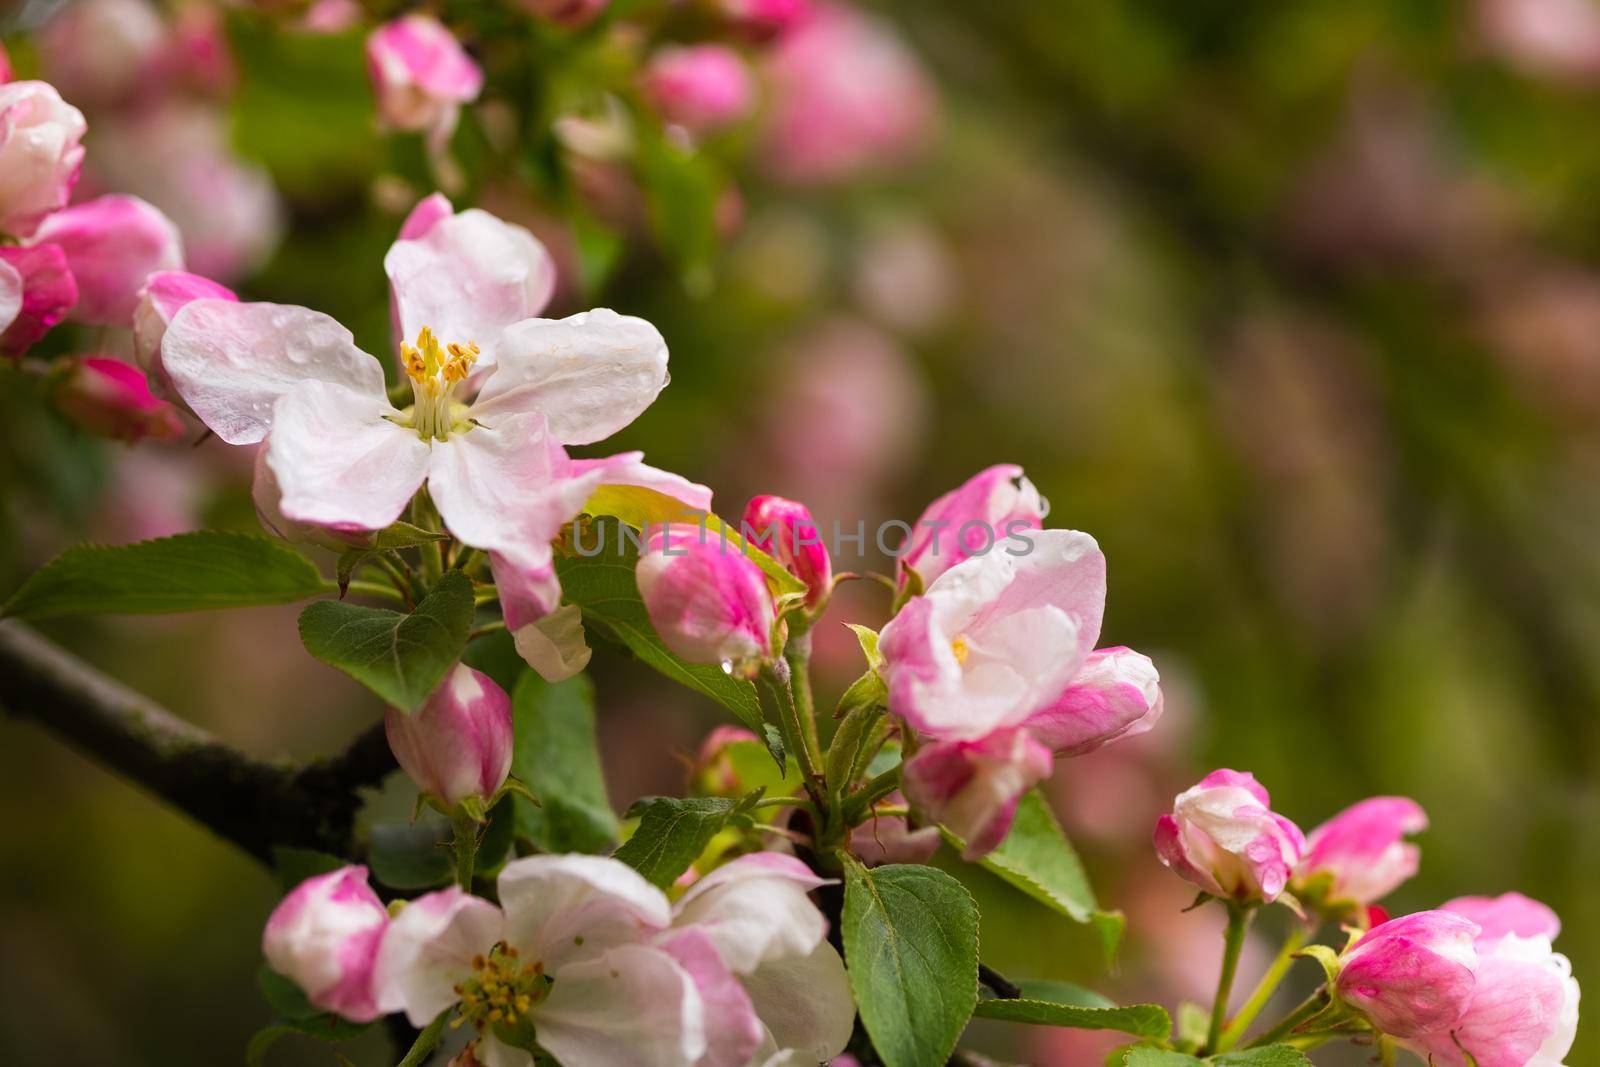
1002	987
255	804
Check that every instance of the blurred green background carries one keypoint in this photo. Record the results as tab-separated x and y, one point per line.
1295	306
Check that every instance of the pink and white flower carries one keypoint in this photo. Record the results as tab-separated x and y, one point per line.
345	458
978	517
707	600
113	244
1361	855
757	914
700	87
973	787
1223	836
421	76
39	291
1412	976
784	530
165	293
40	154
1523	1011
324	936
458	744
568	958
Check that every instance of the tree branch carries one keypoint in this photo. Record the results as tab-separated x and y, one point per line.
255	804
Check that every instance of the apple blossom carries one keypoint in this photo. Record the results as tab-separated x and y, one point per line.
1523	1011
458	744
707	600
700	87
1116	694
111	398
1413	975
40	154
973	519
164	294
848	97
757	914
421	76
345	458
1223	836
569	959
1360	855
973	787
785	531
44	292
325	936
113	244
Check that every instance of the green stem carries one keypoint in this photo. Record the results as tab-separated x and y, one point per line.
797	654
466	849
1233	944
785	802
397	577
1308	1010
778	693
874	791
486	629
1265	988
376	589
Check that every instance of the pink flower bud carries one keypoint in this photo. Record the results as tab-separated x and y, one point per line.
785	531
1413	975
7	72
113	244
973	787
848	97
977	517
714	772
700	88
458	744
764	19
164	293
568	13
45	292
324	937
39	154
1524	1006
112	399
1224	837
708	601
421	76
1361	855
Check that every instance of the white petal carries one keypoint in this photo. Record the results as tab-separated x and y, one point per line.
231	362
590	374
554	645
756	909
805	1003
10	294
428	949
507	487
339	461
565	908
632	1006
468	277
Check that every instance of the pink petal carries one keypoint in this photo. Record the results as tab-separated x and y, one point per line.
428	950
632	1005
1117	694
48	292
973	787
112	244
733	1031
1509	913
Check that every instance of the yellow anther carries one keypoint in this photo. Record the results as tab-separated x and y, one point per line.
960	648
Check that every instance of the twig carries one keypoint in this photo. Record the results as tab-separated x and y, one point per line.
1002	986
255	804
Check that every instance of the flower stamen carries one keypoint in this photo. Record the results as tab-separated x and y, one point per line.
435	371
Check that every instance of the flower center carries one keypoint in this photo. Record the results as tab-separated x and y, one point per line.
435	371
501	990
960	648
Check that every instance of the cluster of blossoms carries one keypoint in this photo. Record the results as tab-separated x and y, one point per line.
583	959
1474	983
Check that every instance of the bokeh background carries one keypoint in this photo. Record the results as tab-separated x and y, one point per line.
1295	306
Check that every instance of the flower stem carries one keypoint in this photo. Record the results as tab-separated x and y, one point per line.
1233	944
379	590
874	791
776	687
1264	990
466	849
797	653
1313	1006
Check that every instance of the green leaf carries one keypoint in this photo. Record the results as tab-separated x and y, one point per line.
558	757
1140	1020
400	657
426	1042
604	588
400	535
295	865
1267	1056
868	639
1037	858
412	855
911	948
1145	1056
672	833
204	571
